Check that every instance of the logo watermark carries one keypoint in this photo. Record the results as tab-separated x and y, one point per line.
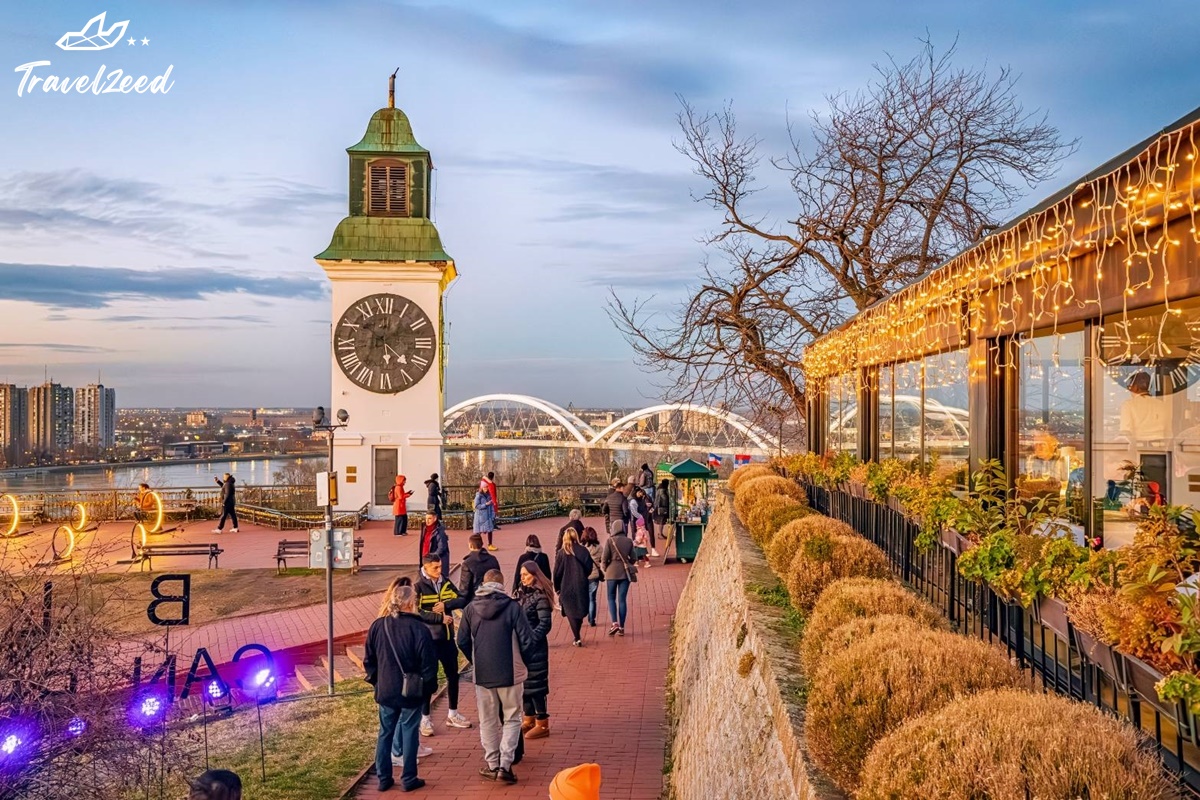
93	36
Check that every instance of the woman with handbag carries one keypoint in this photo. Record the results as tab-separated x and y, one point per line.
535	593
619	572
592	543
401	664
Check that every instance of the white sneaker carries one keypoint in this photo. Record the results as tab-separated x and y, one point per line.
653	552
235	530
217	530
426	726
422	752
457	720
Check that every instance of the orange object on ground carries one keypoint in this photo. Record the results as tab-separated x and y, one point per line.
577	783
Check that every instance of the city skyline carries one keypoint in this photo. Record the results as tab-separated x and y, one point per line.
171	249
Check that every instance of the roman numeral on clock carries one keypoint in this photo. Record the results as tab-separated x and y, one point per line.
420	362
345	344
364	309
385	304
385	381
416	326
351	362
424	343
407	377
364	375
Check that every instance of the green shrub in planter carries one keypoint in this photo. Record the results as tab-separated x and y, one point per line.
791	537
751	491
771	514
1012	745
823	558
873	687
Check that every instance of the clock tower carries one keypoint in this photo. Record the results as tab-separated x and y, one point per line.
388	272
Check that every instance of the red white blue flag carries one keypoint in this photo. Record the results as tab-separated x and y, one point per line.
714	460
740	461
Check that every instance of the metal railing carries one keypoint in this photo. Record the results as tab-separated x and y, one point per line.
114	504
1059	663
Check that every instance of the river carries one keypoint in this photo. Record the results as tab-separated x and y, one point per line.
161	474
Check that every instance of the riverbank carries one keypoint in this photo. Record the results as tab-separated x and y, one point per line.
166	473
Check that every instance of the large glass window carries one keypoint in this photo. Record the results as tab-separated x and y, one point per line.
1146	434
885	412
906	411
947	420
842	420
1050	423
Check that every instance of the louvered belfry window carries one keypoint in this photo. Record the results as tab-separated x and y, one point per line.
387	184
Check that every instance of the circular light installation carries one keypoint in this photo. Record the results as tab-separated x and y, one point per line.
16	514
81	513
76	727
70	534
139	527
157	506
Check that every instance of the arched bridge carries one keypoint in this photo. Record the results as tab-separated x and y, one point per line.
515	420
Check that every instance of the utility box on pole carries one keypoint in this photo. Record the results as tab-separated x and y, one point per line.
343	548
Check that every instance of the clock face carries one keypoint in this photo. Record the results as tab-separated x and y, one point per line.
385	343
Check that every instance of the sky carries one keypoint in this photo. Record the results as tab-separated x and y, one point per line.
163	242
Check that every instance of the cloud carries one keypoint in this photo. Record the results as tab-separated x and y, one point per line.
55	347
127	318
97	287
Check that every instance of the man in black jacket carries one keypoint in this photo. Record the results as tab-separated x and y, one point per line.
616	505
437	594
475	565
495	636
399	643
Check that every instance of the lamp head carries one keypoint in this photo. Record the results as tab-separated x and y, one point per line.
342	416
319	416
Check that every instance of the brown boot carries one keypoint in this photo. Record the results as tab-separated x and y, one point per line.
527	724
541	730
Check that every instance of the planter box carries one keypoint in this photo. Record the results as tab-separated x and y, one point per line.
1100	654
895	505
856	489
1140	677
1050	612
954	541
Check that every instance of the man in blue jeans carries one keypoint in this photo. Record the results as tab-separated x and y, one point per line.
399	644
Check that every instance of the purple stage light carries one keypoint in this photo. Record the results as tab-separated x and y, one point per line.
263	679
216	690
10	744
150	706
76	727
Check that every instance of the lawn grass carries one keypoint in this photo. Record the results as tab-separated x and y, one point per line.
315	745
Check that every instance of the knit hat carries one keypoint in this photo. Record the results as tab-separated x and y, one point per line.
577	783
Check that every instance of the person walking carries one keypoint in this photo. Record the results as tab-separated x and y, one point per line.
399	497
533	552
228	503
437	594
485	516
575	523
215	784
434	541
662	513
489	483
536	596
475	565
592	542
496	638
401	665
645	510
434	498
646	480
572	570
616	506
616	560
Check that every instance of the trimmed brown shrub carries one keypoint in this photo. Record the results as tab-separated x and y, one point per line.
863	693
824	557
1011	745
857	598
791	537
850	633
751	491
743	474
771	514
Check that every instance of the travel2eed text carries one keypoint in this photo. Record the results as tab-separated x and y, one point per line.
106	81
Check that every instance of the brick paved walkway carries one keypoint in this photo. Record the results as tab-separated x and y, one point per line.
607	703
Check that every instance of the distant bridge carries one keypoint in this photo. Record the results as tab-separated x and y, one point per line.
495	421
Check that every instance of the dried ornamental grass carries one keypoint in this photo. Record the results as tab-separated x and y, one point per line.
791	537
743	474
848	634
824	558
772	513
863	693
856	598
1011	745
750	492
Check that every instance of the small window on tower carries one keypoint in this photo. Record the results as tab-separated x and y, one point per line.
387	188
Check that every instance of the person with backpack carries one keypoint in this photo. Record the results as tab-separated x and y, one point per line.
401	665
496	638
398	496
437	594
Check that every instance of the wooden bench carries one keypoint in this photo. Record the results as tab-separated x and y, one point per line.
592	500
149	551
299	548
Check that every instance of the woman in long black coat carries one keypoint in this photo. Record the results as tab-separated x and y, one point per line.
571	570
533	552
535	593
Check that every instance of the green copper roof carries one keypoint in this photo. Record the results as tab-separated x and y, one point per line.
385	239
389	131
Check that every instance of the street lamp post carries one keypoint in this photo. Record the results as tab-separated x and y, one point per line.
320	423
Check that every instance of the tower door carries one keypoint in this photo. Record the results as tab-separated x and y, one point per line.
387	465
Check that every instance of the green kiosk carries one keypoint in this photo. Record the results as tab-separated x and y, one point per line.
689	506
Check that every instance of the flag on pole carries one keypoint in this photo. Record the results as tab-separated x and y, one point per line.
740	461
714	460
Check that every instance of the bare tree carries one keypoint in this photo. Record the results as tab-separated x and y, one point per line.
890	182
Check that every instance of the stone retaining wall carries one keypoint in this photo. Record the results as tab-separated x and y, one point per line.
736	681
